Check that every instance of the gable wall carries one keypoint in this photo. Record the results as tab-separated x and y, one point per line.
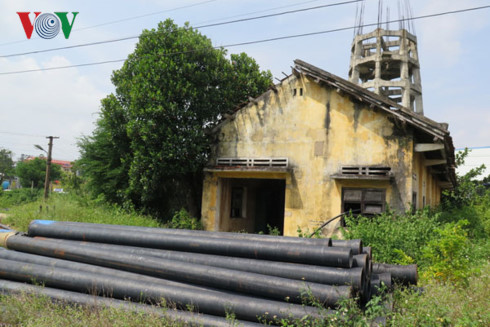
318	132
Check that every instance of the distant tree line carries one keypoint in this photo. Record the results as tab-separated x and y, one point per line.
6	164
32	173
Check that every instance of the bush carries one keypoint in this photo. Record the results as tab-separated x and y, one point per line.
447	255
19	196
183	220
476	214
394	238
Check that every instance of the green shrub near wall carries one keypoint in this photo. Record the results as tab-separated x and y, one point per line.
394	238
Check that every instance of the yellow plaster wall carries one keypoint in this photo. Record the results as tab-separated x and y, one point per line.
318	132
209	210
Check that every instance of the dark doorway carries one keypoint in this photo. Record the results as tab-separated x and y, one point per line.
252	204
269	205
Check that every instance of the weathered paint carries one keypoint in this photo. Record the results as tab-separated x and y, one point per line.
319	132
424	183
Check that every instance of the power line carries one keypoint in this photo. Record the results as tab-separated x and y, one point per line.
69	47
126	19
174	9
280	14
197	27
20	134
63	67
146	15
353	27
260	41
257	12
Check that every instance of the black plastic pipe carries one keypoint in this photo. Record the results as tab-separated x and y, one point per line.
362	260
368	250
48	261
199	233
228	279
208	302
68	297
355	245
377	280
405	274
310	273
365	295
299	253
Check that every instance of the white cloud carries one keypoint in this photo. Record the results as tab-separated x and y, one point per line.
57	102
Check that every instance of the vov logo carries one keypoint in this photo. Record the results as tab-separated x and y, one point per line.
47	25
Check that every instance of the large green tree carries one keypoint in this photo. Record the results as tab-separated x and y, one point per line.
150	142
33	172
6	164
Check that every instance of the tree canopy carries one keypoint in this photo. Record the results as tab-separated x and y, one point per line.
6	164
33	172
150	142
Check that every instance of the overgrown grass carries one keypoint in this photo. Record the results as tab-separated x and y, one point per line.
68	207
18	196
445	304
443	244
39	311
447	245
452	252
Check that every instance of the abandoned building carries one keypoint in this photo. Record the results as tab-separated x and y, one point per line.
317	145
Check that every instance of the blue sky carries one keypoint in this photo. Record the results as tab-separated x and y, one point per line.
453	51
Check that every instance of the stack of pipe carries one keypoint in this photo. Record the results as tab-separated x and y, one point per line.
254	276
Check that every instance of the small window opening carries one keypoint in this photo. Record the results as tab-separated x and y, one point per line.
366	202
301	91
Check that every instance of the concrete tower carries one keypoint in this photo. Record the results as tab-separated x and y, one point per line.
386	62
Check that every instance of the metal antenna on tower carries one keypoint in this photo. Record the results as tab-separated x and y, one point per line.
356	17
386	61
410	15
380	12
400	22
361	18
387	18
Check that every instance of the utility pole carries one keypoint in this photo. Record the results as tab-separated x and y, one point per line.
48	166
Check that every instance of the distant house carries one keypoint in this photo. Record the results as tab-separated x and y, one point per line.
316	145
64	165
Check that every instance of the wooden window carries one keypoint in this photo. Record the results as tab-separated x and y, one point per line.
366	202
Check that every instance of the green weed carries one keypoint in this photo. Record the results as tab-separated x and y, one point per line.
445	304
70	207
183	220
39	311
